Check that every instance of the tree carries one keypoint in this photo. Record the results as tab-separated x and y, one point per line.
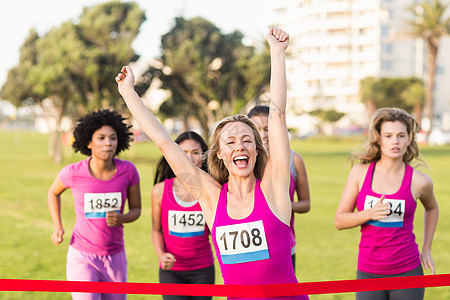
107	31
16	88
201	66
391	92
429	22
74	65
330	116
414	96
370	94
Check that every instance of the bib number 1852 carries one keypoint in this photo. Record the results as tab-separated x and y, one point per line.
97	204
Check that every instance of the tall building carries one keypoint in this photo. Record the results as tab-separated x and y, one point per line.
336	43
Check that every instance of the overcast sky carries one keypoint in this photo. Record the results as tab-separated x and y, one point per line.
17	17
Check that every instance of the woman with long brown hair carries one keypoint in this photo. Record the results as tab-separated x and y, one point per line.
385	188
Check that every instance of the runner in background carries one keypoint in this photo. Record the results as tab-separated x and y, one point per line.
299	178
101	185
385	188
244	198
179	232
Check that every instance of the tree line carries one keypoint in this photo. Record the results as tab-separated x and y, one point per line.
209	74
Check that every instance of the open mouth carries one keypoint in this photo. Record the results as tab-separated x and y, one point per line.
241	161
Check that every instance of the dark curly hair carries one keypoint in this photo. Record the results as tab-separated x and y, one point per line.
91	122
163	170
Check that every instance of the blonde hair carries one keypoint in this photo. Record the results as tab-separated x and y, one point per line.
216	166
372	151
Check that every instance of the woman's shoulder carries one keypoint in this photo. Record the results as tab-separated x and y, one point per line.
298	158
421	180
160	185
76	166
158	189
125	165
123	162
360	168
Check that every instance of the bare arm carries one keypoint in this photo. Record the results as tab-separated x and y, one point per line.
151	125
276	175
428	199
303	205
134	208
181	165
346	216
54	205
165	259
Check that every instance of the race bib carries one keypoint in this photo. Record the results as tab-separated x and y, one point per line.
395	216
242	243
186	223
97	204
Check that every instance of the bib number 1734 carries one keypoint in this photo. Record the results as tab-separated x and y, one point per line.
394	217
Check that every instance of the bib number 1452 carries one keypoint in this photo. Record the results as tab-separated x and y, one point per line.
186	223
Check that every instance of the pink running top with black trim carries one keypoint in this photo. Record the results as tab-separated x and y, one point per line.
388	246
185	233
255	249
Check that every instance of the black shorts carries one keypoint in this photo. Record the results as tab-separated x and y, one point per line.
199	276
409	294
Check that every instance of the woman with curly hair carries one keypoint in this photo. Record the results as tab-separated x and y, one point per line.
100	185
384	188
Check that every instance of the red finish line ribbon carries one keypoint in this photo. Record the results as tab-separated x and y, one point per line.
220	290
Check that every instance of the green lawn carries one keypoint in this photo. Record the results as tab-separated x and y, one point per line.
323	253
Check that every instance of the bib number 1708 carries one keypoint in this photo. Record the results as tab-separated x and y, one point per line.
242	242
246	239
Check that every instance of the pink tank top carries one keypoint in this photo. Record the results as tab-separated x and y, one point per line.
388	246
253	250
184	231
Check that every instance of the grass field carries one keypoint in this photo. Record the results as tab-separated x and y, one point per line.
323	253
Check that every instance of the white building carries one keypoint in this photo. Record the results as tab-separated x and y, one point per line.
336	43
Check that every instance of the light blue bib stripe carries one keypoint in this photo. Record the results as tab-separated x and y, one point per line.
186	234
96	215
385	224
245	257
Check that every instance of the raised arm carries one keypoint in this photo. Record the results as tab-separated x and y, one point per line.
276	175
278	134
192	177
151	125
